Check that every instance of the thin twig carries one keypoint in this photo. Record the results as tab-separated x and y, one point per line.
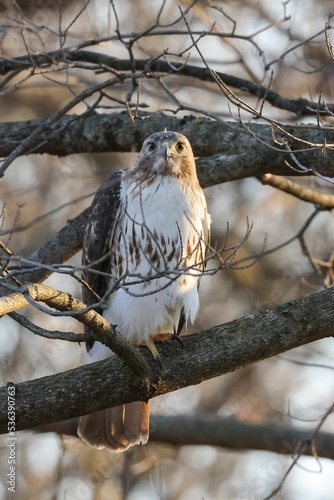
54	335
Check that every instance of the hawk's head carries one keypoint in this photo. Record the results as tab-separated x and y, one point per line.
166	153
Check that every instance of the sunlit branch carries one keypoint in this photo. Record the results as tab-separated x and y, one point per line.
65	302
305	194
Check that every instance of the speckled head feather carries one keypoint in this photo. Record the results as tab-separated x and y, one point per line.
165	153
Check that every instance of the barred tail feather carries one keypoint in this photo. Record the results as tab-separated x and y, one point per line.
116	428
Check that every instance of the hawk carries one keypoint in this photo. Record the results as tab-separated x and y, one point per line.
144	253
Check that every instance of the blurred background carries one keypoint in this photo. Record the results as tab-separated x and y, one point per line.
278	43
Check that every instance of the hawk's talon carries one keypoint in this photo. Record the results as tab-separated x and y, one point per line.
178	338
157	357
153	349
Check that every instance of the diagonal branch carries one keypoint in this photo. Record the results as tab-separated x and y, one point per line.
99	326
301	192
58	249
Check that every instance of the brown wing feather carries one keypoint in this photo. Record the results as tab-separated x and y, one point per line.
96	244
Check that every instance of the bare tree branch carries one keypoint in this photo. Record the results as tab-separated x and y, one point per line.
208	354
300	107
235	151
231	433
59	248
212	430
305	194
300	451
53	335
254	143
99	326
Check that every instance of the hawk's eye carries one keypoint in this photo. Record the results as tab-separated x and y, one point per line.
180	147
151	146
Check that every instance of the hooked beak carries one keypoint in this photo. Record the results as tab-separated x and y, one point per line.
165	149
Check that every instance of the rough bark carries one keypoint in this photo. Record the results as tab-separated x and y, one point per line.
227	150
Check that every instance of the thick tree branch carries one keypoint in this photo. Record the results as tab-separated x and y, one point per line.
231	151
208	354
233	434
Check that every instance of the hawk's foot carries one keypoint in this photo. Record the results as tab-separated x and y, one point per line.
178	338
161	337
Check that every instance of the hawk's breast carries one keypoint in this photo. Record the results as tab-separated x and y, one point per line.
157	243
